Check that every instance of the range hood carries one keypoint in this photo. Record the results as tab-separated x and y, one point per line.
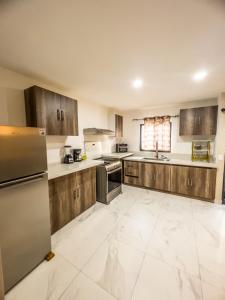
98	131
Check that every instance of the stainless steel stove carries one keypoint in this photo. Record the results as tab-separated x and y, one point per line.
109	179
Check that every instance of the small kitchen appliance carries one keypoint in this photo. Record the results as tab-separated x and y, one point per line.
68	157
121	148
77	155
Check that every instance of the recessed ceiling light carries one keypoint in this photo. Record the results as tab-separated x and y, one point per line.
137	83
200	75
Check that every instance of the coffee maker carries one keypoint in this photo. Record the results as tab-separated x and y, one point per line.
77	155
68	158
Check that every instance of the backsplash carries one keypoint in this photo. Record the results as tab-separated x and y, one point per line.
55	146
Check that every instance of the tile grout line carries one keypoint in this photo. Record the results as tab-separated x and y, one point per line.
71	282
196	248
107	236
144	256
101	243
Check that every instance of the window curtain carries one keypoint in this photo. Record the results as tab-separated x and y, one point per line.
157	129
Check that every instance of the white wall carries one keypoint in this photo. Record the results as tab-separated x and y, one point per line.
181	145
12	112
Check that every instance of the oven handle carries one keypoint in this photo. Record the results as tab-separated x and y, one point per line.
113	171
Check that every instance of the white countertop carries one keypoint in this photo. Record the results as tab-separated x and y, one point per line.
174	161
117	155
58	169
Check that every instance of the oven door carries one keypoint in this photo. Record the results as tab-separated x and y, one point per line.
114	179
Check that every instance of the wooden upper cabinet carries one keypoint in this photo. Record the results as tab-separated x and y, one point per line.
69	116
118	126
55	112
198	121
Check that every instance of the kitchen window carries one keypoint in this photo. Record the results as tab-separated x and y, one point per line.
156	129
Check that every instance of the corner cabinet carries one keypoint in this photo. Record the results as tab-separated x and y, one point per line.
198	121
71	195
196	182
54	112
118	126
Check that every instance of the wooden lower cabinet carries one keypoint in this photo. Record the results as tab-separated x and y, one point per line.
71	195
194	182
156	176
133	173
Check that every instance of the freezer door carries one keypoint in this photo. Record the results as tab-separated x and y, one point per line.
24	226
22	152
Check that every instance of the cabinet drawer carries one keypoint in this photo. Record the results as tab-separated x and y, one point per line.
131	169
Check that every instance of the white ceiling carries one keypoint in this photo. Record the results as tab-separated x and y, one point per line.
97	47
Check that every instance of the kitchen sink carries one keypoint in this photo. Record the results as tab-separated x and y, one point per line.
154	158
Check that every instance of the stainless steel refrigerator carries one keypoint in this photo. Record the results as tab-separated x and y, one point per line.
25	237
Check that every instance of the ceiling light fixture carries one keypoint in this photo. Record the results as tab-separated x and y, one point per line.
137	83
200	75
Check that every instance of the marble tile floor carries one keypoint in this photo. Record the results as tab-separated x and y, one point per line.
145	245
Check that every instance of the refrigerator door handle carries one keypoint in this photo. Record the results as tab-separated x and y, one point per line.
22	180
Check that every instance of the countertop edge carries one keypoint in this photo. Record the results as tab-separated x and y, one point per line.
176	163
59	170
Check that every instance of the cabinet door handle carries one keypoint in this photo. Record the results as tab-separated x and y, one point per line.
188	181
78	193
58	114
62	115
191	181
75	194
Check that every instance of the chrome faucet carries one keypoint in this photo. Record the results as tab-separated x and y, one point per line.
157	150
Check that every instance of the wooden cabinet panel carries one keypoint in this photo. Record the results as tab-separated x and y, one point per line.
203	182
52	113
198	121
156	176
61	199
118	126
180	180
148	175
68	111
187	121
162	177
208	120
132	173
71	195
55	112
131	168
86	188
1	279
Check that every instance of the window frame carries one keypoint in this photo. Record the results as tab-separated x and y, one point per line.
163	151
